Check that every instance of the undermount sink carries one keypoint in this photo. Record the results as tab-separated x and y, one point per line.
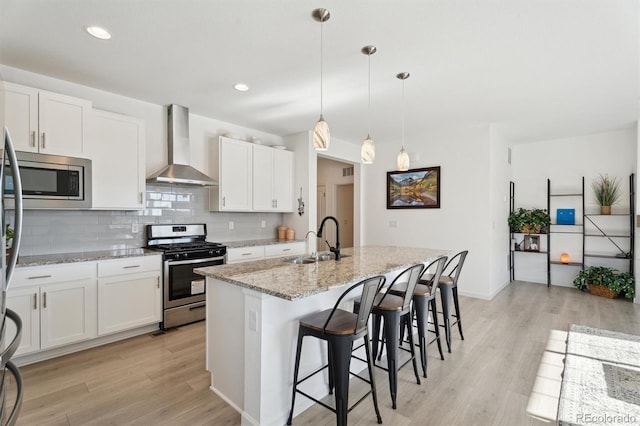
305	260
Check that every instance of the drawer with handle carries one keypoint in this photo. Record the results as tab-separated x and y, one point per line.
130	265
244	253
46	274
285	249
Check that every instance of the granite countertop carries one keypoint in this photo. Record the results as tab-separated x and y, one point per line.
292	282
86	256
254	243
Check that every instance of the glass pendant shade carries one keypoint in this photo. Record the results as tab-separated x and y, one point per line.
368	151
321	135
403	160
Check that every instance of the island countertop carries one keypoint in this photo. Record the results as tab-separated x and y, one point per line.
296	281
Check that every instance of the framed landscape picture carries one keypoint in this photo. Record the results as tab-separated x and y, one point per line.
414	189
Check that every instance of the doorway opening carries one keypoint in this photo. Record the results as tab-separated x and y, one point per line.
335	195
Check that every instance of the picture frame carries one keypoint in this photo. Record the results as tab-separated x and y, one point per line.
531	242
414	189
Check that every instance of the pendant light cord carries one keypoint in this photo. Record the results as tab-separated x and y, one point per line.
369	129
321	63
403	114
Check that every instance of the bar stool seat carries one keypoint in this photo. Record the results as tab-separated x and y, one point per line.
340	328
424	299
396	313
449	290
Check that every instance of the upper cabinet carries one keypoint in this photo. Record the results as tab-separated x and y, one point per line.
116	146
45	122
272	179
251	177
233	161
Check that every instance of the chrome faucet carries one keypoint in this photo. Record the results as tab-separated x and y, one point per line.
335	250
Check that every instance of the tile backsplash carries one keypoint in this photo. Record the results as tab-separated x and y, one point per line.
61	231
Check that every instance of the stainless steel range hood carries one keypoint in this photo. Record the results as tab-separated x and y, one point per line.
179	171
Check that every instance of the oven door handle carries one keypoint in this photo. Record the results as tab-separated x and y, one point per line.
193	261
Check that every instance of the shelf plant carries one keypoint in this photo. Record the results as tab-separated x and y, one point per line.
529	221
605	281
607	192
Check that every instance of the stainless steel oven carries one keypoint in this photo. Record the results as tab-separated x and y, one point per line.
184	248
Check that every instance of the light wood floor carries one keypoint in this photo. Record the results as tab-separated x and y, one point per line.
486	380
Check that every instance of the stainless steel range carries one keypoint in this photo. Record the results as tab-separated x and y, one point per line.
184	248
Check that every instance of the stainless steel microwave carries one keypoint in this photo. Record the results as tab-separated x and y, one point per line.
51	182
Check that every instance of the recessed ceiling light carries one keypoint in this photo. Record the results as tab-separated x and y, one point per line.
98	32
241	87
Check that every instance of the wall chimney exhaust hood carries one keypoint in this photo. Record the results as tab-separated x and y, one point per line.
179	171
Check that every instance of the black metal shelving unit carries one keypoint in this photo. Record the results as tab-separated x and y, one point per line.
577	229
512	251
602	233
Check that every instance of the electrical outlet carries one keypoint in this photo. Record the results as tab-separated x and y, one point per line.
393	224
253	321
134	228
263	223
230	224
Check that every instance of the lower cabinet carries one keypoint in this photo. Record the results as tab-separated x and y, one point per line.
242	254
129	293
57	305
75	302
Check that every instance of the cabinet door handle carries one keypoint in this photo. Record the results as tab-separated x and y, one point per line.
286	249
44	142
276	203
131	266
223	201
35	301
246	254
33	138
44	299
37	277
158	282
141	198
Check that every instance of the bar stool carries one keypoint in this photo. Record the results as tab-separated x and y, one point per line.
340	329
396	312
424	298
449	290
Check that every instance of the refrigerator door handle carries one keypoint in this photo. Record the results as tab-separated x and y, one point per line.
17	189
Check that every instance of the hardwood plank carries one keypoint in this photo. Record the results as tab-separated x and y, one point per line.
486	380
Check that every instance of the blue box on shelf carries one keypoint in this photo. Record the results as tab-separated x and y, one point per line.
566	216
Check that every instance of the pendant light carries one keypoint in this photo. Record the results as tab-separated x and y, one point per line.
321	135
368	151
403	157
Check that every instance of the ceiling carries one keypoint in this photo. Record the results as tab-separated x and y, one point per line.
536	69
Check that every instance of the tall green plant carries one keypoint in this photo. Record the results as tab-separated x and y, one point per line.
607	190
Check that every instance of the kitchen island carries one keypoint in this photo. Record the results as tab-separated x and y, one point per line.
252	322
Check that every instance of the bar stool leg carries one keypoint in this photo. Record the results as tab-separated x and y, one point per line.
445	297
436	327
406	321
341	356
391	331
330	368
420	307
372	378
376	336
295	375
457	306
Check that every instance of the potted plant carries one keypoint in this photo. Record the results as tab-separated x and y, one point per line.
607	192
534	221
8	232
606	282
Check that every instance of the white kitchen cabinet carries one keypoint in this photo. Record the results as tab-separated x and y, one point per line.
57	304
45	122
272	179
232	159
116	144
129	293
243	254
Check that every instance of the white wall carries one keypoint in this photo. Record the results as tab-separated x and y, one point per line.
565	162
463	220
500	175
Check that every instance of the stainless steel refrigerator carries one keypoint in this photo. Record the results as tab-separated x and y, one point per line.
10	334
